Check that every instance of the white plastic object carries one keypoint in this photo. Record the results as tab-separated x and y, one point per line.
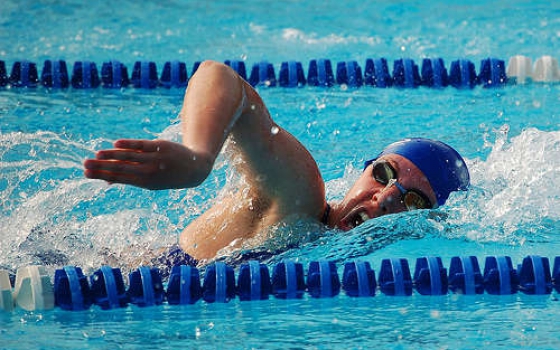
6	297
33	289
546	70
520	69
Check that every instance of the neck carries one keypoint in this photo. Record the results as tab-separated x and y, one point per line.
326	214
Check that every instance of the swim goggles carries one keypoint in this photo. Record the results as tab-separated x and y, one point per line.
385	174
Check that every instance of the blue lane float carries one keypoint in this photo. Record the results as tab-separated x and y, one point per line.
85	75
72	290
174	75
291	74
253	282
288	281
55	74
465	276
219	283
263	74
499	275
320	73
358	279
430	277
405	74
492	73
114	75
144	75
434	74
236	65
24	75
322	279
462	73
108	289
184	285
556	274
377	74
3	74
534	275
395	278
349	73
145	287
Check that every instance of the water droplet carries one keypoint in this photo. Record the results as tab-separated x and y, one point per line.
274	130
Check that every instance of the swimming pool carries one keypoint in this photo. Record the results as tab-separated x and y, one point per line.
510	137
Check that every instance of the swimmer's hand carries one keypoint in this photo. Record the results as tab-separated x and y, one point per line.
154	165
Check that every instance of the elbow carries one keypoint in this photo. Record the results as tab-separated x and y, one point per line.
203	164
213	67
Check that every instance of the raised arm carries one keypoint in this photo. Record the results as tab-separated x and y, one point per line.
213	102
281	177
218	103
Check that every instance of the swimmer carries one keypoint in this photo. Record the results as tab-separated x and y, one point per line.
281	178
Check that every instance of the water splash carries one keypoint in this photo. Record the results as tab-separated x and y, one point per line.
513	201
51	215
516	190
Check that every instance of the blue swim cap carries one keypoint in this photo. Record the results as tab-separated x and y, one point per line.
443	166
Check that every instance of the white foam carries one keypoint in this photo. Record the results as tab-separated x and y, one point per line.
515	191
296	35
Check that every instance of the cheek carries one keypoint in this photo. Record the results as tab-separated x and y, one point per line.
388	203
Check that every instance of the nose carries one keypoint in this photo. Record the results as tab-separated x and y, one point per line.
387	200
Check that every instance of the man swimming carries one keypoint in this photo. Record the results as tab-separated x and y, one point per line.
280	177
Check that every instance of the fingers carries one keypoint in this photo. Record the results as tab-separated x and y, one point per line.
131	151
115	166
132	162
138	145
111	177
124	155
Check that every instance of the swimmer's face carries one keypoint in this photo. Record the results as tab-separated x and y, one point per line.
370	198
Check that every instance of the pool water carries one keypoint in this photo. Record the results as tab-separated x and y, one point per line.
510	137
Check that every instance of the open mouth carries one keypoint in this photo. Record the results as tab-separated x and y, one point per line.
355	219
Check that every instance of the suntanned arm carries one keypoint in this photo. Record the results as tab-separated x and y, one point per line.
281	175
207	117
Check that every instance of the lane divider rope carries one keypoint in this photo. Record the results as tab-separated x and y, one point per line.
72	290
405	74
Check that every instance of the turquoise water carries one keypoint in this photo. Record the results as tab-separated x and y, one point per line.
510	137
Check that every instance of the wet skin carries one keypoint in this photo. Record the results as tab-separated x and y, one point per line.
281	179
368	199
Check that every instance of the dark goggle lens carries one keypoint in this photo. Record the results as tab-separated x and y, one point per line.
383	172
414	200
